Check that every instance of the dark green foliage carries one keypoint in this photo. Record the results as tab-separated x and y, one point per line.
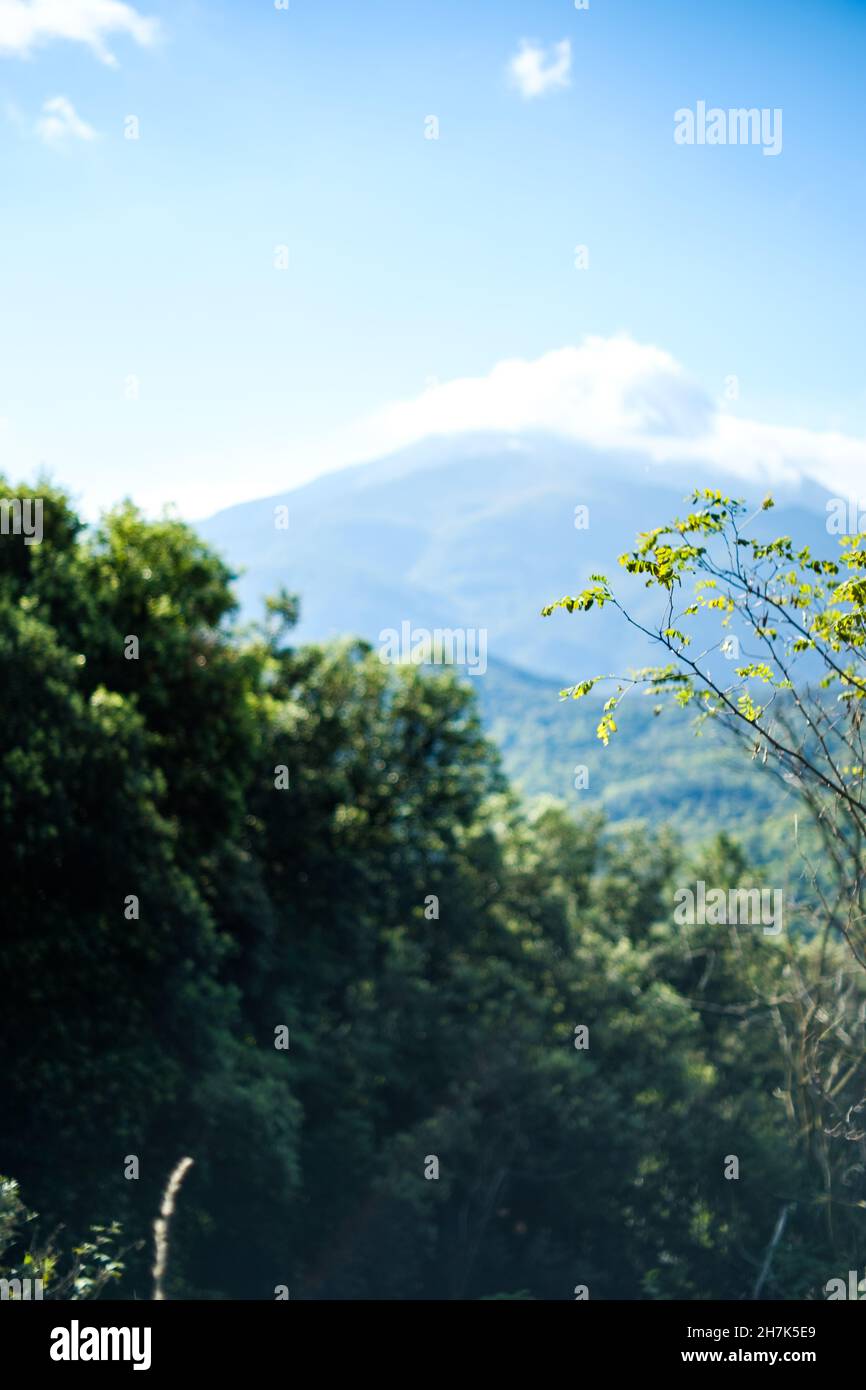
412	1035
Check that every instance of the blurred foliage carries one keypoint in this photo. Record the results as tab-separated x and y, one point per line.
411	1035
83	1273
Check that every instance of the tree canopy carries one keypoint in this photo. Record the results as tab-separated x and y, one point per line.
277	909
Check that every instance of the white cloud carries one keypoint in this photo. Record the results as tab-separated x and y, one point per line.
60	121
616	393
24	24
532	75
606	394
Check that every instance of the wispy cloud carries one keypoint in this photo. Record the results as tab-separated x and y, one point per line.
534	72
616	393
61	122
25	24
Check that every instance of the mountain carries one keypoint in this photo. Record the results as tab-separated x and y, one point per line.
656	769
478	532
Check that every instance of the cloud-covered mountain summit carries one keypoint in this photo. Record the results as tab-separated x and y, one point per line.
479	531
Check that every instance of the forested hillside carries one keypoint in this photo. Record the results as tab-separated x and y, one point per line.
661	768
474	532
276	908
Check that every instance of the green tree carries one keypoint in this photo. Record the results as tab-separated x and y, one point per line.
765	638
324	851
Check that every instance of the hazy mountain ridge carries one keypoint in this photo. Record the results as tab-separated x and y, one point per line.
476	532
479	532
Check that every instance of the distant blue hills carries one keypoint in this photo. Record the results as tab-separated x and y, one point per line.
478	531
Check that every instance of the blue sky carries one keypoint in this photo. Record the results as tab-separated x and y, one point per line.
410	260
